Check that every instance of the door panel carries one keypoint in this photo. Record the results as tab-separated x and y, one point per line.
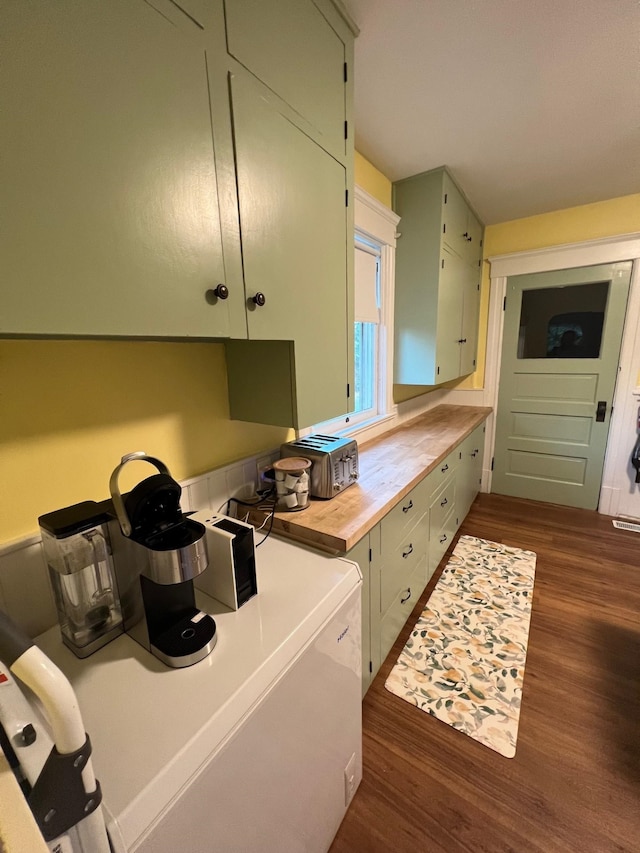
549	444
532	427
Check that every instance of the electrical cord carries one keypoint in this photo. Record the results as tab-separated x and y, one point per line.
259	504
266	536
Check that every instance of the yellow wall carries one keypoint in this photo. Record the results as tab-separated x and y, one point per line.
372	180
69	410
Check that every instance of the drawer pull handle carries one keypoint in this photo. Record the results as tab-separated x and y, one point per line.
474	454
443	538
444	502
446	468
407	507
407	596
405	554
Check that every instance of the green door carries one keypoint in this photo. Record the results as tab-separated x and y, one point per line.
562	336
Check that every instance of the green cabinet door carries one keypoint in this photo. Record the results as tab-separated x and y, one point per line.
470	321
292	49
451	290
293	227
110	211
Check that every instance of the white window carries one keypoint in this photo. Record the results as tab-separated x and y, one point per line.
374	269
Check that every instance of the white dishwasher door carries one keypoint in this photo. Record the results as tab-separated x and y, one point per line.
282	780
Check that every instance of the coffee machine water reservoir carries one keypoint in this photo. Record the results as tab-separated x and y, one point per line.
76	546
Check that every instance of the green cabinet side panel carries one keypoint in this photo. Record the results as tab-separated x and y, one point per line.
261	382
111	222
360	555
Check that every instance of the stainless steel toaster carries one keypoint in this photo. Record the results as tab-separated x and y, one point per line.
334	462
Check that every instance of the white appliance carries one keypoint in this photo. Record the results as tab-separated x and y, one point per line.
255	748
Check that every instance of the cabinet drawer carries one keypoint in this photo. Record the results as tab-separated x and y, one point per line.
442	503
440	539
443	470
400	610
398	567
399	521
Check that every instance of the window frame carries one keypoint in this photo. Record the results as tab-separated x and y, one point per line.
375	224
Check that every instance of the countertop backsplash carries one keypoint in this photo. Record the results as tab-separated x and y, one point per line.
25	590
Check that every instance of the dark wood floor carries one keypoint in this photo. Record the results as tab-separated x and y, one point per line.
574	784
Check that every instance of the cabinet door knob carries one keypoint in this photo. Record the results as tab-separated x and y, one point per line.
259	299
443	538
444	502
407	507
445	468
407	596
462	341
221	291
406	553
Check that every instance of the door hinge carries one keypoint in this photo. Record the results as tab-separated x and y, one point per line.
504	304
478	286
370	666
444	228
445	198
346	76
346	130
346	198
493	459
438	370
348	390
443	263
474	362
370	555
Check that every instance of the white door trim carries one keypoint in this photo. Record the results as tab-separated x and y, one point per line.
625	247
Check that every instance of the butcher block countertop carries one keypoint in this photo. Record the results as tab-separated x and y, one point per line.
390	466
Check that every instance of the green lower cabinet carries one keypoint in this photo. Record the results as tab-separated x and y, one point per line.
400	554
471	454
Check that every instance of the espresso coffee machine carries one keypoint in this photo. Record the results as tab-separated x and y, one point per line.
129	563
157	552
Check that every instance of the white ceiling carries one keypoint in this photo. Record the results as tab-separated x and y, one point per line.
533	104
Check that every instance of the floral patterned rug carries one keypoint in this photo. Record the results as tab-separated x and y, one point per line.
464	661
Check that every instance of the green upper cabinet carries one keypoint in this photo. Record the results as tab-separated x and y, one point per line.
111	222
438	260
293	50
184	170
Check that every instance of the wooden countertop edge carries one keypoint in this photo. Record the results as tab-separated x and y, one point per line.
293	526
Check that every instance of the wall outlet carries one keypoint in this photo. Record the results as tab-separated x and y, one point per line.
350	780
263	465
